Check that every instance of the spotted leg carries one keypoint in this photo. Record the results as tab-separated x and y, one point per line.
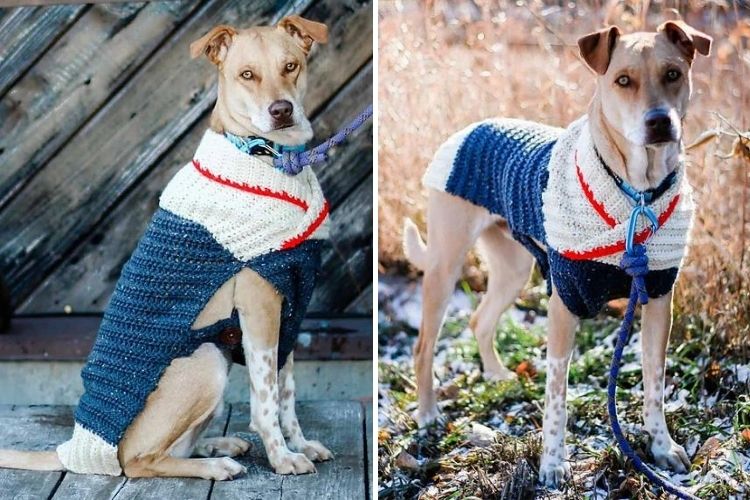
657	323
259	307
554	468
313	450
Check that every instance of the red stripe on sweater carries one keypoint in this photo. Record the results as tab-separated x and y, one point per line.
598	206
259	190
618	247
310	229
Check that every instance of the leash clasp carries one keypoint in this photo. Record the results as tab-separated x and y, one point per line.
640	209
271	150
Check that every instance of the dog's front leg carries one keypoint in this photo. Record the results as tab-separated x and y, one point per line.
259	308
313	450
657	323
553	467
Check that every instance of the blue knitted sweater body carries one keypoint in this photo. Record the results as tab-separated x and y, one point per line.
199	238
174	271
518	170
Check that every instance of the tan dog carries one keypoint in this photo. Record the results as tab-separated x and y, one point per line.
635	117
262	81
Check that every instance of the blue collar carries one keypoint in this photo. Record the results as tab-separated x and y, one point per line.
254	145
640	200
639	197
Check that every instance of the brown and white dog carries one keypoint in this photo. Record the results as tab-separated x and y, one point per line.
635	74
262	81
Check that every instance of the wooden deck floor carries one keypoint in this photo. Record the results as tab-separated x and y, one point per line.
341	425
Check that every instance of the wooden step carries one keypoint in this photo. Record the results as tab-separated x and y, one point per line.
69	338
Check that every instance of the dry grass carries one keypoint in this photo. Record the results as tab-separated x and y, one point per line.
439	73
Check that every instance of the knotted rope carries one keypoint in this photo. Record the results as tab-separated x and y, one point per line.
292	162
635	263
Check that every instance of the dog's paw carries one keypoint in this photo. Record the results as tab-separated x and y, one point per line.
553	472
231	446
293	463
670	455
315	451
427	416
223	469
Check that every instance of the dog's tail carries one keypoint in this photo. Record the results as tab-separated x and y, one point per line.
30	460
414	247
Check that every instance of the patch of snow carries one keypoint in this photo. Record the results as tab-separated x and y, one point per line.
692	445
742	372
678	401
401	299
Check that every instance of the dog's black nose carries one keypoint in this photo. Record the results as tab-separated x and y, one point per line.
281	110
658	126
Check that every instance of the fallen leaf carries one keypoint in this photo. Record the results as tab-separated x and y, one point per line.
629	485
706	451
406	461
448	392
383	436
713	370
526	369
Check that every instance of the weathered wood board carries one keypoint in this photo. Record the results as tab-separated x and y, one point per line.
111	106
26	33
347	261
35	428
338	424
369	445
363	303
59	93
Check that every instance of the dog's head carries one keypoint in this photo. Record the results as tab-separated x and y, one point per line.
644	80
262	77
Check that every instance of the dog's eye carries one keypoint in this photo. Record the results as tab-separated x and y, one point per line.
290	67
247	75
673	75
623	81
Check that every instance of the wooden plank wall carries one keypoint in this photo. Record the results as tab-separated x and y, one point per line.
100	105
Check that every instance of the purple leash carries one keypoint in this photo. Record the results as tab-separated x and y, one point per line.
635	263
292	162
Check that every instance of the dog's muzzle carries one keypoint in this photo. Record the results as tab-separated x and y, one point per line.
659	127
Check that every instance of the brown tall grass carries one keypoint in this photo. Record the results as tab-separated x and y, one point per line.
446	64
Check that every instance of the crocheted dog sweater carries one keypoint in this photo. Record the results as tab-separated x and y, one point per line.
222	212
562	205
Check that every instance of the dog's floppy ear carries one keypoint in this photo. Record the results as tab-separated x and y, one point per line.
214	44
688	39
596	48
304	31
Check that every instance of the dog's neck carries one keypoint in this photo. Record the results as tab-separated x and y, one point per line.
643	167
222	121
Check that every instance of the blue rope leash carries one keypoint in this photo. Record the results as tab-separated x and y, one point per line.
292	162
635	263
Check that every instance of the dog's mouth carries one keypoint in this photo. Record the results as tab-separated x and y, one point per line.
283	126
659	143
657	140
